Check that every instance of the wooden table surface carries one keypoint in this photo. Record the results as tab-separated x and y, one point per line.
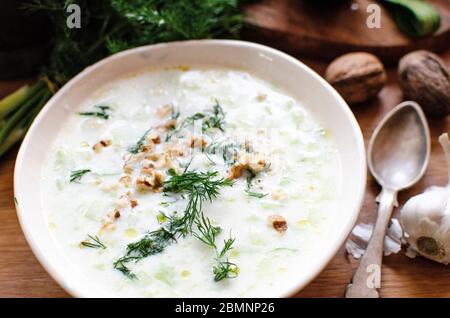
22	276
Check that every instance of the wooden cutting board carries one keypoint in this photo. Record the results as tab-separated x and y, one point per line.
326	30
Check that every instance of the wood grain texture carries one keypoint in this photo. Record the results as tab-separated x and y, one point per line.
22	276
327	31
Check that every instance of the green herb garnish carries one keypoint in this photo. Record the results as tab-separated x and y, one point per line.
258	195
415	18
103	112
215	118
249	186
207	233
175	113
75	176
152	243
198	187
230	153
95	242
138	147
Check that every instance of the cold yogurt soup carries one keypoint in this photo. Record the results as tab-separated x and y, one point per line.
191	183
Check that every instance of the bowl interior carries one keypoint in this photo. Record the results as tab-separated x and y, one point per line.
286	72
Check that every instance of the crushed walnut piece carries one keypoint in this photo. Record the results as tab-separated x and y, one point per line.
131	160
107	226
198	142
126	200
154	138
278	222
122	202
148	167
250	162
154	156
126	181
164	110
236	171
128	168
164	162
261	97
167	125
152	182
174	151
134	203
148	147
108	222
101	144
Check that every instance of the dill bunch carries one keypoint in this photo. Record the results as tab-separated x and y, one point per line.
107	27
171	20
114	25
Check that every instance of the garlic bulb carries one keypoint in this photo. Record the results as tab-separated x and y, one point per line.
425	218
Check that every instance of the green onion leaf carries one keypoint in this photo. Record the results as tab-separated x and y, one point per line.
415	18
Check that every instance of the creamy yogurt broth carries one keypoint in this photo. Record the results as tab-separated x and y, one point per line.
191	182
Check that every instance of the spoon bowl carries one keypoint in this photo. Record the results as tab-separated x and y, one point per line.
400	147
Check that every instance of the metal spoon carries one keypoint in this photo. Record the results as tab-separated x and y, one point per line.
398	156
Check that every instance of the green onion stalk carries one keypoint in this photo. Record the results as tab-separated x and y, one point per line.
18	110
415	18
108	27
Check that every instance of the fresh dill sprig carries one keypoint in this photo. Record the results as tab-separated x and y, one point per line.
198	187
258	195
249	186
138	146
207	233
215	118
96	243
201	183
103	112
152	243
208	156
76	175
175	113
225	269
229	151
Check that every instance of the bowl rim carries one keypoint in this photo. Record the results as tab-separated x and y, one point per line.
52	269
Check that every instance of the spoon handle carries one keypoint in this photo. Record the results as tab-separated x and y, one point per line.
367	276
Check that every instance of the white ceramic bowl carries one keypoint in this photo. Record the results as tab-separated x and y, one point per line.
288	73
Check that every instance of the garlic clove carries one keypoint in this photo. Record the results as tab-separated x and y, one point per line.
425	218
354	249
357	243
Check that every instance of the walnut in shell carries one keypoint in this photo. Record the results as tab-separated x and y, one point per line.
356	76
424	78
